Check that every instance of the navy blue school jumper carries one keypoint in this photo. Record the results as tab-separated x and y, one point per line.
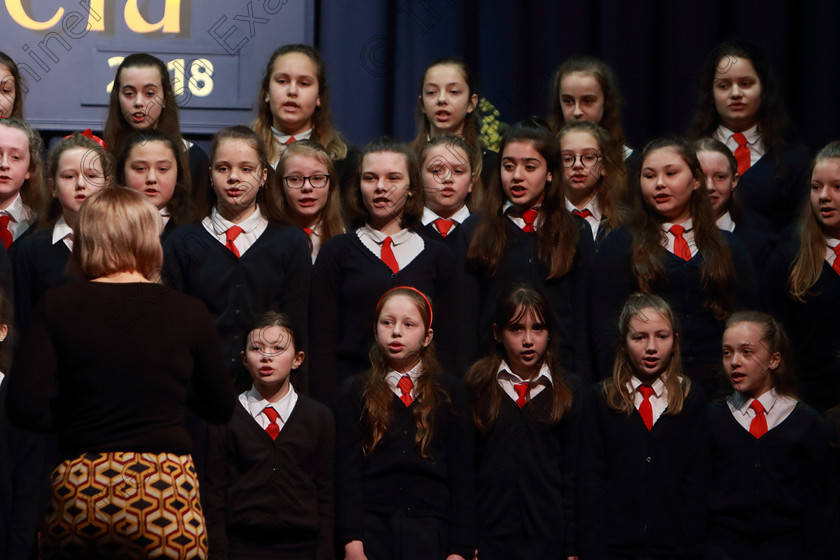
347	282
758	245
771	497
771	199
682	287
39	264
434	496
520	263
272	275
272	498
525	479
643	494
813	326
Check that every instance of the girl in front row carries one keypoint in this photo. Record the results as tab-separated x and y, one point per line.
273	425
643	446
524	407
311	196
404	446
236	260
773	478
77	167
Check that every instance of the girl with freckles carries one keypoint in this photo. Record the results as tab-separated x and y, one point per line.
774	481
643	474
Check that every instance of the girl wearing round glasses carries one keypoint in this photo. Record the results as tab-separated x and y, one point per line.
310	192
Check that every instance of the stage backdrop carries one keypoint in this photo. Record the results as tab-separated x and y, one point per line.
216	50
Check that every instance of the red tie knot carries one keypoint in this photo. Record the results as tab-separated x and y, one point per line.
232	233
290	140
271	413
585	213
757	406
5	233
405	385
307	231
529	217
677	230
273	429
740	139
443	226
646	391
521	390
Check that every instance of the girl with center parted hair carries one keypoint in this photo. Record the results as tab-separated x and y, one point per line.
672	248
593	176
142	98
294	104
77	167
774	482
644	446
274	425
739	103
381	250
238	260
151	163
526	411
404	445
526	235
22	191
11	98
116	411
721	171
801	285
311	194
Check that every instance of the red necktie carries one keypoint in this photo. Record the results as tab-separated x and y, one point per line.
308	231
835	266
290	140
443	226
405	386
680	244
273	429
5	235
758	426
230	235
388	257
585	213
645	409
742	153
521	390
529	216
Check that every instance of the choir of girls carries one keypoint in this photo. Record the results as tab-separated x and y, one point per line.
412	328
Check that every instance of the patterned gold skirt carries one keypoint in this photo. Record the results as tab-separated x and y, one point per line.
124	505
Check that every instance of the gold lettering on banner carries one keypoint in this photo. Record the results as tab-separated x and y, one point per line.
169	23
15	8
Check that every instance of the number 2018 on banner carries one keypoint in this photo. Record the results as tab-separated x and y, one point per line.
199	82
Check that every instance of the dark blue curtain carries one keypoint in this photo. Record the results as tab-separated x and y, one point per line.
376	51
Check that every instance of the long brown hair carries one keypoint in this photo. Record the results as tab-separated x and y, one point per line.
378	396
612	186
717	270
34	190
557	234
615	389
775	339
481	380
323	129
17	106
331	220
808	264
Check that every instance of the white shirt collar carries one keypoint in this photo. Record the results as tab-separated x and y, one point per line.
283	137
688	225
832	242
220	225
593	207
742	403
393	377
256	403
725	222
751	134
61	230
458	217
19	211
396	239
658	385
544	376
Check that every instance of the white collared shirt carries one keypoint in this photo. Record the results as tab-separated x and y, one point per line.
457	218
62	232
830	255
252	227
658	400
507	379
252	401
520	223
22	216
776	408
754	142
725	222
594	219
315	239
405	244
392	378
281	138
165	215
688	233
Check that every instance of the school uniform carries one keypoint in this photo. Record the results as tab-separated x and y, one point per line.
771	497
447	232
773	189
271	274
520	263
613	281
20	218
643	493
348	280
758	245
593	215
812	325
524	465
400	505
270	498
